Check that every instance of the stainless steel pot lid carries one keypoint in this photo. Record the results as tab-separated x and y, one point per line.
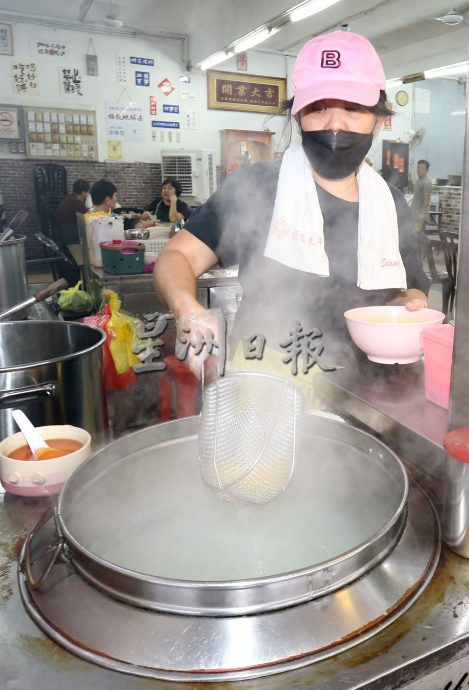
149	643
143	527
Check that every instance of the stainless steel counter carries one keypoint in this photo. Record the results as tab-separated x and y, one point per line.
433	632
214	288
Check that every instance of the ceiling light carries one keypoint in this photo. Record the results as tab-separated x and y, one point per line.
458	68
215	59
306	9
393	82
112	21
253	39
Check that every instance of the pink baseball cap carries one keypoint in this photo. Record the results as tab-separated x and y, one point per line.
340	65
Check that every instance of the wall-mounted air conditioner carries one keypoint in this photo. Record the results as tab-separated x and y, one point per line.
195	170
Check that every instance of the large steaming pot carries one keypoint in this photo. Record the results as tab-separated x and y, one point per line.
52	370
165	571
13	280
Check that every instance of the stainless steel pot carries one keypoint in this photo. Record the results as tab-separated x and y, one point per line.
311	540
53	371
13	277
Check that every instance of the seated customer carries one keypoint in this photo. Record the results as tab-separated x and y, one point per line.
168	208
103	196
73	203
68	208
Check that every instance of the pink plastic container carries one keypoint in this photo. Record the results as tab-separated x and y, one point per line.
438	360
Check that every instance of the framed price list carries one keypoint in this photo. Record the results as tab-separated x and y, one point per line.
63	133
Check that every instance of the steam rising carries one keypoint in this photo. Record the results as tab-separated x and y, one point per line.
151	513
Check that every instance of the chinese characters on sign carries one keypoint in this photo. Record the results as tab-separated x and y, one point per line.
301	344
142	78
152	105
121	69
70	81
25	78
250	93
49	48
170	108
6	39
165	125
125	121
149	62
166	87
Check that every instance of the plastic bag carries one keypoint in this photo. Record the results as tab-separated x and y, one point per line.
76	299
121	333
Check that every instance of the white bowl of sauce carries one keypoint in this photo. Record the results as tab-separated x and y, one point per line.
23	476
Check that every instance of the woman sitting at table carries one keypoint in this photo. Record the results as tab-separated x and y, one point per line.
168	208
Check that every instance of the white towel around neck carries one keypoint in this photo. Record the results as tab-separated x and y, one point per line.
296	237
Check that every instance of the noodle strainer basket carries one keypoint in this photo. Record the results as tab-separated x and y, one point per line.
250	432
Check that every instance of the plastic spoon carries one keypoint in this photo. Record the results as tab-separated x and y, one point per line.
40	449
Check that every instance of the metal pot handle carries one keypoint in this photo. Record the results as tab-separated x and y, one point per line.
57	548
49	389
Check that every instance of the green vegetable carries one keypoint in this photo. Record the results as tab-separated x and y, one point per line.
75	299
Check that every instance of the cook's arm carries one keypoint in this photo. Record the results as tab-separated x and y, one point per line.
177	268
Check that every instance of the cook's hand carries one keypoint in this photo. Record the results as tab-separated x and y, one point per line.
413	300
173	198
145	216
196	327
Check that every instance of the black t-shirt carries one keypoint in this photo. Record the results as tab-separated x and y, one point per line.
235	222
161	210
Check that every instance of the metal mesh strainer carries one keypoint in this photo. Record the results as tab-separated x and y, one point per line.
249	435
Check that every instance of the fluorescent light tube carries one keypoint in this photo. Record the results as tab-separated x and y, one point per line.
393	82
449	70
310	8
253	39
215	59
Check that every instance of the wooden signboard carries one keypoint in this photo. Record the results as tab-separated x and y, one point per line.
249	93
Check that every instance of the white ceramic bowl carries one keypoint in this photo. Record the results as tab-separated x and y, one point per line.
389	334
41	477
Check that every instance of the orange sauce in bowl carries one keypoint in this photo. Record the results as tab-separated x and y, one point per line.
63	445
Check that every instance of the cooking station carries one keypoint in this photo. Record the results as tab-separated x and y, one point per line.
402	624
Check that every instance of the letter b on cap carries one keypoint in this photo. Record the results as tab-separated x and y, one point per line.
330	58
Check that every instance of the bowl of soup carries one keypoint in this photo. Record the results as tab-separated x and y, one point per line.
390	334
22	475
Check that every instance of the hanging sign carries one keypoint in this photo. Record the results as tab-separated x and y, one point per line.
125	121
152	105
142	78
165	125
166	87
91	60
149	62
170	108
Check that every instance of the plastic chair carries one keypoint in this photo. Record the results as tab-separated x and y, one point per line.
450	240
436	276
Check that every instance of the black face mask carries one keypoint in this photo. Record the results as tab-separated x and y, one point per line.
335	155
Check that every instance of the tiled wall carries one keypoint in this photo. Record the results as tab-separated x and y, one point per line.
450	202
137	183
